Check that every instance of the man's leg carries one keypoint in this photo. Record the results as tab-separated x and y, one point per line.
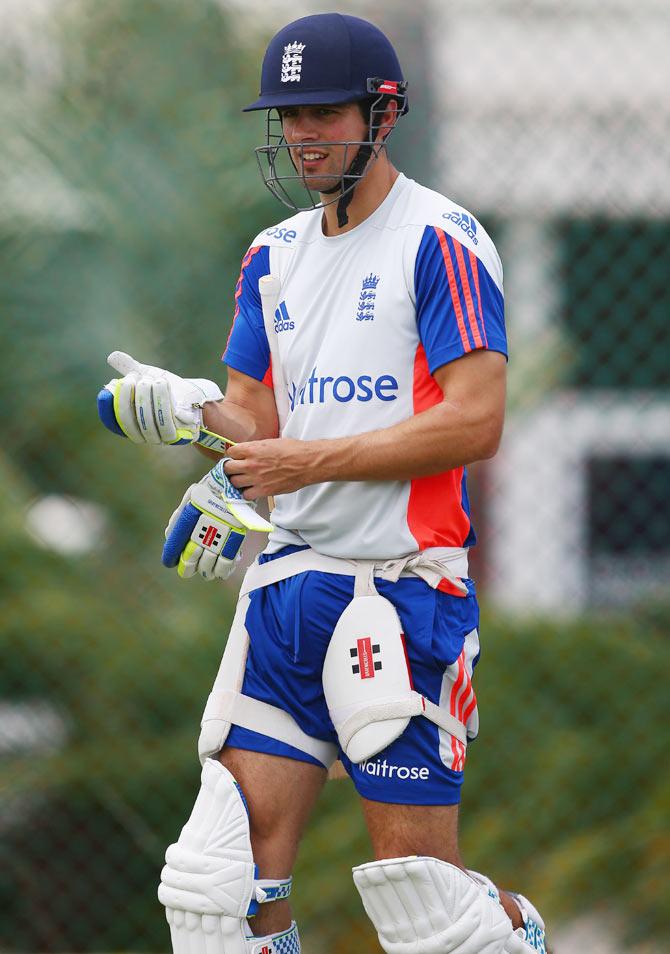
397	831
421	898
280	795
232	862
418	893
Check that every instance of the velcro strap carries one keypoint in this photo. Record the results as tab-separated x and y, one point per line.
268	889
412	705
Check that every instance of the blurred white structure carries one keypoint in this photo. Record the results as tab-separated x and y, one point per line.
540	519
567	110
567	118
67	525
31	727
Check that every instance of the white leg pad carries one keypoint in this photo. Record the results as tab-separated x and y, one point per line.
209	884
212	935
534	931
421	905
205	934
284	942
531	937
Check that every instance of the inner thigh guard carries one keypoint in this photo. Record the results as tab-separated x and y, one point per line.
422	905
366	678
367	681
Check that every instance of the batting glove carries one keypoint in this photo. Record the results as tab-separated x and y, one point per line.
152	406
206	532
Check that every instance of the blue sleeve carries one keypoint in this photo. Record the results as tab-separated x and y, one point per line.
459	308
247	349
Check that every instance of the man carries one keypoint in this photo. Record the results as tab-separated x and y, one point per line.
369	335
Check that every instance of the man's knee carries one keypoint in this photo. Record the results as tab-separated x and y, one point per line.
280	794
427	906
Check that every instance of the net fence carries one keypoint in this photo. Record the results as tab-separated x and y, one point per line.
128	195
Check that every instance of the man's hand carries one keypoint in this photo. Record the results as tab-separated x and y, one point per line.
206	532
152	406
268	468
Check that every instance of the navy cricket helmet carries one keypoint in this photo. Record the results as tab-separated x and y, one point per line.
328	58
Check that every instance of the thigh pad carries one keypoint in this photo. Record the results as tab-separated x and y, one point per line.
367	681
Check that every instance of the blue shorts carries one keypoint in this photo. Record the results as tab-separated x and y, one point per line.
290	624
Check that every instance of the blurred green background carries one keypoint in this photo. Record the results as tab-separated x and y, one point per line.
129	195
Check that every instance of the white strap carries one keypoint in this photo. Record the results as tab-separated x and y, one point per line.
264	574
364	578
445	720
413	705
432	569
272	889
269	289
257	716
432	565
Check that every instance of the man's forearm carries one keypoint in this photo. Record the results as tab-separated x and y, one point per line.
233	421
229	420
432	442
236	422
463	427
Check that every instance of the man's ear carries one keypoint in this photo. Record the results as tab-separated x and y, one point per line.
388	120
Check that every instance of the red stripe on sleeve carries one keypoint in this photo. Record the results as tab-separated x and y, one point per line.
453	287
238	288
476	337
474	263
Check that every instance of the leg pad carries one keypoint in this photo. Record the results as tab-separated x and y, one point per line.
209	885
423	905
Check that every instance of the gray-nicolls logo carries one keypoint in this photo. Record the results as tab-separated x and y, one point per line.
291	64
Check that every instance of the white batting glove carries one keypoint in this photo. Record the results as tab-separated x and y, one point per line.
206	532
151	406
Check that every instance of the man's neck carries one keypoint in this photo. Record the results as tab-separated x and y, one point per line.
369	194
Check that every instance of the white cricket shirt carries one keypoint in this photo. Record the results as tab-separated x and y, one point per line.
363	320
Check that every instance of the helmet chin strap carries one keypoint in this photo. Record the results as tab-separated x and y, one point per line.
348	183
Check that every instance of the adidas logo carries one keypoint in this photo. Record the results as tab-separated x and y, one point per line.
283	321
465	222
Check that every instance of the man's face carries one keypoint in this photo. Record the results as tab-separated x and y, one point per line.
305	127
